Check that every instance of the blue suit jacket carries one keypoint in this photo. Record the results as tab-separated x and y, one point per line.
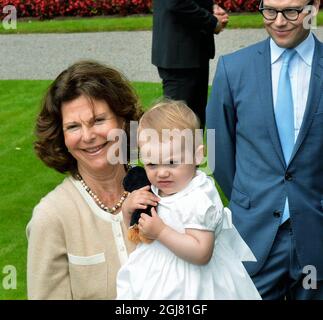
249	163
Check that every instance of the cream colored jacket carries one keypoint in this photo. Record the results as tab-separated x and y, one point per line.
75	249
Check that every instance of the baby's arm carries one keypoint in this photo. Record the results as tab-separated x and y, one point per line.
138	199
194	246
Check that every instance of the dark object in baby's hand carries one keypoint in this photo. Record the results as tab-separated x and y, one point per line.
135	179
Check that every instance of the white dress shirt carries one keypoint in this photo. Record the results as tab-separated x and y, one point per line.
300	74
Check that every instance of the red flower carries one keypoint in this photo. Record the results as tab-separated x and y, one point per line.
44	9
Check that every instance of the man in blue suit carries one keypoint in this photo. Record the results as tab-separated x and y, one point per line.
266	107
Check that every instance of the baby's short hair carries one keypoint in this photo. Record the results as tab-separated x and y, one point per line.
169	114
173	123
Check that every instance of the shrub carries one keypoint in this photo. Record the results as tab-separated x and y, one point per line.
238	5
45	9
241	5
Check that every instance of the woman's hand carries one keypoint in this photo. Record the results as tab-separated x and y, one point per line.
138	199
151	227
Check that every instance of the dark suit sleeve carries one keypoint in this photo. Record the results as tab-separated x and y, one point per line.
189	12
221	116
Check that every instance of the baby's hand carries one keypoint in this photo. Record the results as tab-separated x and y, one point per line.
151	227
139	199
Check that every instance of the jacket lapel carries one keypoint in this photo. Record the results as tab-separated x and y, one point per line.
264	82
314	94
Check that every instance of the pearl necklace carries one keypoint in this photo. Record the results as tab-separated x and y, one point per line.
98	201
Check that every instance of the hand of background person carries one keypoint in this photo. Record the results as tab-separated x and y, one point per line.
152	226
222	16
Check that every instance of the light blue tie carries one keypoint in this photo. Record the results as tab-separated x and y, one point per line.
284	114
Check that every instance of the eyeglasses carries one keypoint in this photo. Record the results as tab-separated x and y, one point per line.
290	14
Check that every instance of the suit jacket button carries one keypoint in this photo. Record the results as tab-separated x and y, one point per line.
288	177
277	214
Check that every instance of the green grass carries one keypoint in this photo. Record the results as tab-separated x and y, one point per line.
130	23
96	24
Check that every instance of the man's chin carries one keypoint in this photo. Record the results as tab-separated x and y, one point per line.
288	39
283	42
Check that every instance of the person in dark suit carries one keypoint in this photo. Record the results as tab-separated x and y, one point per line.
182	45
266	107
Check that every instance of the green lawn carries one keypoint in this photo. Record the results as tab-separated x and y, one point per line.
129	23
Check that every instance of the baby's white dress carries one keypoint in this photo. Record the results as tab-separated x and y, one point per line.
154	272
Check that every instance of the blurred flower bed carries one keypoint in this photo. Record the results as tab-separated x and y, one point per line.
47	9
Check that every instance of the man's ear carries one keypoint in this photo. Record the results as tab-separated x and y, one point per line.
199	154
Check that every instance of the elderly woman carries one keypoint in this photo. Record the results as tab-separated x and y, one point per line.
76	236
